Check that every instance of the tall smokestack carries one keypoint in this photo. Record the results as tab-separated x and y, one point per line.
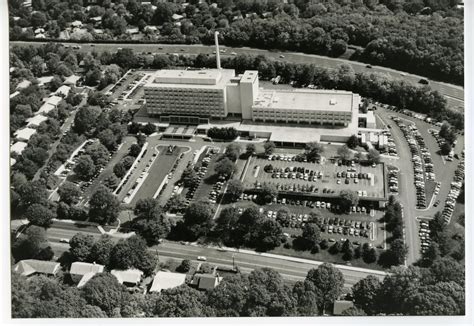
218	55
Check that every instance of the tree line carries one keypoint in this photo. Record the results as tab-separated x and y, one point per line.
438	290
396	34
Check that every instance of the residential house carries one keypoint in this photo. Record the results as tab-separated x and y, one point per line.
71	80
81	272
50	104
24	134
30	267
340	306
12	161
23	84
18	147
177	17
44	80
129	277
62	91
167	280
35	121
76	24
206	281
12	95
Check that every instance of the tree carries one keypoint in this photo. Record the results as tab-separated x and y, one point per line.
347	199
447	132
80	246
176	203
235	189
228	299
100	250
39	215
267	235
69	193
268	193
269	147
446	269
225	167
32	192
198	219
85	168
344	153
119	169
373	156
310	236
307	298
185	266
147	208
154	229
134	150
133	253
250	149
103	206
444	298
446	148
149	128
268	295
98	153
226	224
189	177
108	139
86	119
181	301
110	180
329	283
365	294
396	254
104	291
313	151
30	244
232	151
283	217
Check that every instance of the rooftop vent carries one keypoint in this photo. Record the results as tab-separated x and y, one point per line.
332	102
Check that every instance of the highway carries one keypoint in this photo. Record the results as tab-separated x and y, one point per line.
453	93
290	268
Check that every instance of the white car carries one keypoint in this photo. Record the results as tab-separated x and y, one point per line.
201	258
64	240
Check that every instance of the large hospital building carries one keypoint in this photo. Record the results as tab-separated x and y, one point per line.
187	96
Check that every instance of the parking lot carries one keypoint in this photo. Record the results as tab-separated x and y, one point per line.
321	179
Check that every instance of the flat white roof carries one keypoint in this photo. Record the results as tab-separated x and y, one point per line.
167	280
25	133
54	100
36	120
71	80
46	108
206	78
18	147
63	90
311	100
45	80
127	276
23	84
81	268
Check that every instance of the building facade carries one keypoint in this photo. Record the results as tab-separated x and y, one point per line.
197	96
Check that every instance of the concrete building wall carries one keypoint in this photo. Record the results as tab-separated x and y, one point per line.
234	106
186	101
301	116
248	92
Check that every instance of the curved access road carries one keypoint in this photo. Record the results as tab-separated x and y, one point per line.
453	93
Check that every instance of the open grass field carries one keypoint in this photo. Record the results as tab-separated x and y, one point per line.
329	180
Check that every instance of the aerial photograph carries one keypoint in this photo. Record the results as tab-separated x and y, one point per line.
235	158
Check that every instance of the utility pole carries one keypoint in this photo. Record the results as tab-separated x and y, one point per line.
233	261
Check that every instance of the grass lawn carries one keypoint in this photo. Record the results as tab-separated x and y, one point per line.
325	256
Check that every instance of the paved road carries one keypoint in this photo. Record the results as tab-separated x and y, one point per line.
290	270
454	93
444	172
